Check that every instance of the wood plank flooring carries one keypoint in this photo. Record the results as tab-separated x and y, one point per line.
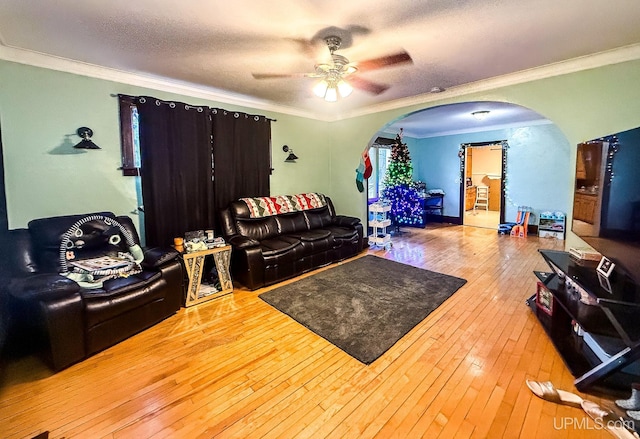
236	368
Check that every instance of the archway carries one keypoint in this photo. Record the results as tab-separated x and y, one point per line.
536	164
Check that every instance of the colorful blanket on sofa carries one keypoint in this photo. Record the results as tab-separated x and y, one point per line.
260	207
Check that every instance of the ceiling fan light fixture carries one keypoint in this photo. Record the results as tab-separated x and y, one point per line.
332	93
331	90
480	115
331	85
320	88
344	88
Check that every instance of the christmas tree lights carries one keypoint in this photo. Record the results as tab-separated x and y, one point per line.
399	189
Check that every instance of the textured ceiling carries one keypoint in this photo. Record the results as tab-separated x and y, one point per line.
215	46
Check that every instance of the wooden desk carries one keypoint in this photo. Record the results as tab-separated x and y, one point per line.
194	264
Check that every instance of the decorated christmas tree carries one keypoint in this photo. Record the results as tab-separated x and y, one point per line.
400	169
399	188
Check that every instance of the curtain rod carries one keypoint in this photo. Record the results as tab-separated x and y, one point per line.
189	106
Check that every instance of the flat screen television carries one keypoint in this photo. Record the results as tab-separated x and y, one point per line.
606	209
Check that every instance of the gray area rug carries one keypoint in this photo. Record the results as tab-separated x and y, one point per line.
364	306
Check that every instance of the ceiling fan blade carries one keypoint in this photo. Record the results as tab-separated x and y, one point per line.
284	75
384	61
305	46
368	86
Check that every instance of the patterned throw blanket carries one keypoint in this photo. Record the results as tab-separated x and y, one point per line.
260	207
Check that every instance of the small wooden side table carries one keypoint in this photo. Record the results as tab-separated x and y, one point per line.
194	263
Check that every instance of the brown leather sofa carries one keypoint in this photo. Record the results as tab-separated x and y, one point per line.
269	248
69	322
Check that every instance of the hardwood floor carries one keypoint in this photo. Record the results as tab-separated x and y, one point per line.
489	219
236	368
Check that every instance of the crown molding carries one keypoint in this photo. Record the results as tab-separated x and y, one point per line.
615	56
46	61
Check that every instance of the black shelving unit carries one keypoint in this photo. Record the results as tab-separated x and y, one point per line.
594	326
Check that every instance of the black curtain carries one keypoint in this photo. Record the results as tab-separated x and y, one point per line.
4	222
5	248
176	169
242	156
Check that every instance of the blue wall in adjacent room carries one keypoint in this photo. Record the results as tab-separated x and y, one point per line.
531	149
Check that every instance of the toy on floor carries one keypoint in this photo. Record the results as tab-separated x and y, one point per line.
519	228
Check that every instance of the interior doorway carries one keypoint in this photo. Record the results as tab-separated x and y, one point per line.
482	198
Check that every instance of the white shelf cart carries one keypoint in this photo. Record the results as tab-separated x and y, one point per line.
379	221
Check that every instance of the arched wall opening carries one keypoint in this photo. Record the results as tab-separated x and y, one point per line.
536	172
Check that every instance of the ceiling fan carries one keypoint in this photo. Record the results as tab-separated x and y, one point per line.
332	76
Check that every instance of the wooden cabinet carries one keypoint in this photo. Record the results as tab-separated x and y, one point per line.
470	198
584	207
589	162
495	185
581	172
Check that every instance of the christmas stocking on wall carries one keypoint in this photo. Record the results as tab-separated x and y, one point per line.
360	176
368	168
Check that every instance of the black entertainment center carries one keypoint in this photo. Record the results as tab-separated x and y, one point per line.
596	332
591	309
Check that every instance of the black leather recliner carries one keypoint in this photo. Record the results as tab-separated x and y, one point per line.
70	322
273	248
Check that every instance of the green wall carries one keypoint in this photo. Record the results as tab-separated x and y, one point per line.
583	105
40	110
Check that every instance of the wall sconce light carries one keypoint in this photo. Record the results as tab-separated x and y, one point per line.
480	115
292	157
86	143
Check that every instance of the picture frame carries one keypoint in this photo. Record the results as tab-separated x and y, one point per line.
604	283
605	267
194	236
544	299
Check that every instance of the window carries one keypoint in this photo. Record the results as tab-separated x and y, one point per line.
380	157
129	139
130	150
